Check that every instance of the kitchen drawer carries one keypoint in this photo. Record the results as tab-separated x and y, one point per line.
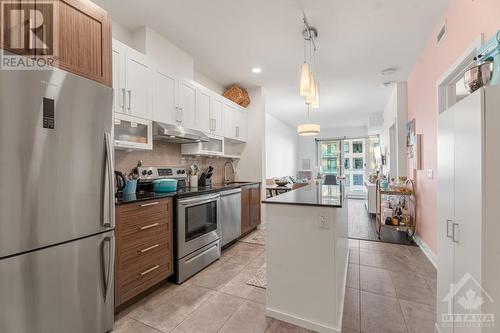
146	207
140	250
139	269
139	237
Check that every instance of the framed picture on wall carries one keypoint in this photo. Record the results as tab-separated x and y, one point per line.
410	133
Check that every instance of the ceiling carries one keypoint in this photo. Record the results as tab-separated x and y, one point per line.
357	39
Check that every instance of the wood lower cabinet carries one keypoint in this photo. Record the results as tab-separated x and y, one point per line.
144	247
250	207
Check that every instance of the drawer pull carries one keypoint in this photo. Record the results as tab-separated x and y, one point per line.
149	226
150	204
154	268
149	248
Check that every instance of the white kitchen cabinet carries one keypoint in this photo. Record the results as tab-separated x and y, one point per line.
235	123
164	98
210	108
132	132
131	81
468	214
187	104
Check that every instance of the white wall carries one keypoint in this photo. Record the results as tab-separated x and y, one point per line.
123	34
307	145
251	166
208	82
395	113
282	148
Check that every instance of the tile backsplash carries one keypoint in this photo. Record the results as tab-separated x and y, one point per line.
168	154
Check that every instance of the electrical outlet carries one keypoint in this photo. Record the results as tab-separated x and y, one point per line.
323	222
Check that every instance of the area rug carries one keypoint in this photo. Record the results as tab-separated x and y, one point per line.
259	279
257	237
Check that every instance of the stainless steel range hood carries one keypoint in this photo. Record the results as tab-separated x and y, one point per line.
177	134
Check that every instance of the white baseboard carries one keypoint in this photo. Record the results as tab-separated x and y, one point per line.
301	322
426	249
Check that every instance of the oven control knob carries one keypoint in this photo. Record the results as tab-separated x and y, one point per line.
150	172
179	172
144	172
183	171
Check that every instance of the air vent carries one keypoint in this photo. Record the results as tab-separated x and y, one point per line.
441	33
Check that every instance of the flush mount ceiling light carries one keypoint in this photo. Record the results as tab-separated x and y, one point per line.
308	129
389	71
256	70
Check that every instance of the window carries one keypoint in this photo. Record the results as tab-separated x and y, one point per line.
330	165
358	163
357	180
346	147
357	147
347	164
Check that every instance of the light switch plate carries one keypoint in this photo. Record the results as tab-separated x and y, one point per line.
430	173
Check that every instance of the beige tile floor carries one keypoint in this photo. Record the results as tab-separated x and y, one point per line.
218	299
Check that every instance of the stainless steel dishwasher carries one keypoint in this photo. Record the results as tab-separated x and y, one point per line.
230	215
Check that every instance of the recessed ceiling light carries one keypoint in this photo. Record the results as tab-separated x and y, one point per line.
389	71
387	84
256	70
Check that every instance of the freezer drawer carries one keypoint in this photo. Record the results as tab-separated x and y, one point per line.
60	289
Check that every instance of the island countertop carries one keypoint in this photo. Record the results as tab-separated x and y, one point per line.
310	195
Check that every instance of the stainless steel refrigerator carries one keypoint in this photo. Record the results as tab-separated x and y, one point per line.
56	203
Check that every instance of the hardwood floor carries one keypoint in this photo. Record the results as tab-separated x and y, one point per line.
362	226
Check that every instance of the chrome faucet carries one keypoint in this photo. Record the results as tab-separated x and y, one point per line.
226	179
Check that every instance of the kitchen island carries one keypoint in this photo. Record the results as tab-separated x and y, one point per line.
307	256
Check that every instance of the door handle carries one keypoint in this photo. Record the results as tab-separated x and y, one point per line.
108	221
106	265
448	228
182	115
124	97
150	204
154	268
149	226
129	100
215	124
149	248
455	233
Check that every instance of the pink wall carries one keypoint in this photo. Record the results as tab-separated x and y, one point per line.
466	20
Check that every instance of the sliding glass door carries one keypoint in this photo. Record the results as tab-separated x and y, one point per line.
330	158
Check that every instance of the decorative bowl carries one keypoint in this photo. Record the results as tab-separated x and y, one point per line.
281	181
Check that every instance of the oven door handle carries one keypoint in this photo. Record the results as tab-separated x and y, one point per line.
196	203
198	200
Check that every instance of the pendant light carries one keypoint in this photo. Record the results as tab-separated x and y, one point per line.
309	87
308	129
305	79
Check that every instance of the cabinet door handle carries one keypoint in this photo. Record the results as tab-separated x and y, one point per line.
448	228
124	97
149	248
129	99
215	124
147	271
455	234
150	204
182	115
149	226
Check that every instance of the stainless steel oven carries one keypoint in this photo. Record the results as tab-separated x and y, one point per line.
198	234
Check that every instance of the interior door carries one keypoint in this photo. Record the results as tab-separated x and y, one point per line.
138	87
53	127
64	288
187	103
164	98
468	151
446	216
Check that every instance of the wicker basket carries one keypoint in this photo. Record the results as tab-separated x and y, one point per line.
238	95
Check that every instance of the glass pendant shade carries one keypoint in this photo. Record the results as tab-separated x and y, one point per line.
305	79
315	102
308	129
312	96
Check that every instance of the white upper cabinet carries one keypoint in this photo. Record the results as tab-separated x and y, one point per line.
235	122
187	104
210	108
164	98
131	81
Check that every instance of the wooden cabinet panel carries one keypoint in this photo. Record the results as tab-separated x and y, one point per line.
144	247
250	207
84	41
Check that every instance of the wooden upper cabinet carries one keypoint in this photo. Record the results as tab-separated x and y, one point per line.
84	40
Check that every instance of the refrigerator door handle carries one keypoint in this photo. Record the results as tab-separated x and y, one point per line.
108	222
106	264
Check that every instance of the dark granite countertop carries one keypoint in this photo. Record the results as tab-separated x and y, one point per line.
181	193
311	195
